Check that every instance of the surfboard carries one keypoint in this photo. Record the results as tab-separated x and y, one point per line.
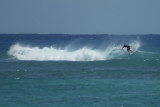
131	52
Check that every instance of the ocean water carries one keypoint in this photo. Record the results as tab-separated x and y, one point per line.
59	70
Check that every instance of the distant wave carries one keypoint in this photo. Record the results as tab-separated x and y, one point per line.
24	52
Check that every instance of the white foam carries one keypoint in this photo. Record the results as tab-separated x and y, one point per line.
22	52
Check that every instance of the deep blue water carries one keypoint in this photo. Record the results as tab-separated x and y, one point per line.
59	70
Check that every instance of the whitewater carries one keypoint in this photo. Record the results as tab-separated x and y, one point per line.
26	52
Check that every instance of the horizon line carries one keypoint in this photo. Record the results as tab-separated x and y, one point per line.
70	34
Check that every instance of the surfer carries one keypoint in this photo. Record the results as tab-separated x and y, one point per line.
126	46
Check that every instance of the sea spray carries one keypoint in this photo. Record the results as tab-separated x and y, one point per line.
135	45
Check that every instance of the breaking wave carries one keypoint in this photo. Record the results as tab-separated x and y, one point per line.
51	53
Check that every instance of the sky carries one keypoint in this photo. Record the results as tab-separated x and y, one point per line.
80	16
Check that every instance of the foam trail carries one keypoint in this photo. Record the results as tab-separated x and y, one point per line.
21	52
51	53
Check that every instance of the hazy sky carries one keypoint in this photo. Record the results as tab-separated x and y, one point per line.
80	16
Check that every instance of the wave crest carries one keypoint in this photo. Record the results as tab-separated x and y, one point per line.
22	52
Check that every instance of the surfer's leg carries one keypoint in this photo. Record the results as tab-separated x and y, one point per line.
129	50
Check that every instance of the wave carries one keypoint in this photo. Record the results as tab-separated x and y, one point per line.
85	53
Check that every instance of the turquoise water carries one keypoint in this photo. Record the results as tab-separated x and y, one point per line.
79	71
80	92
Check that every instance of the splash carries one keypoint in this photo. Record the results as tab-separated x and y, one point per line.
135	45
52	53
